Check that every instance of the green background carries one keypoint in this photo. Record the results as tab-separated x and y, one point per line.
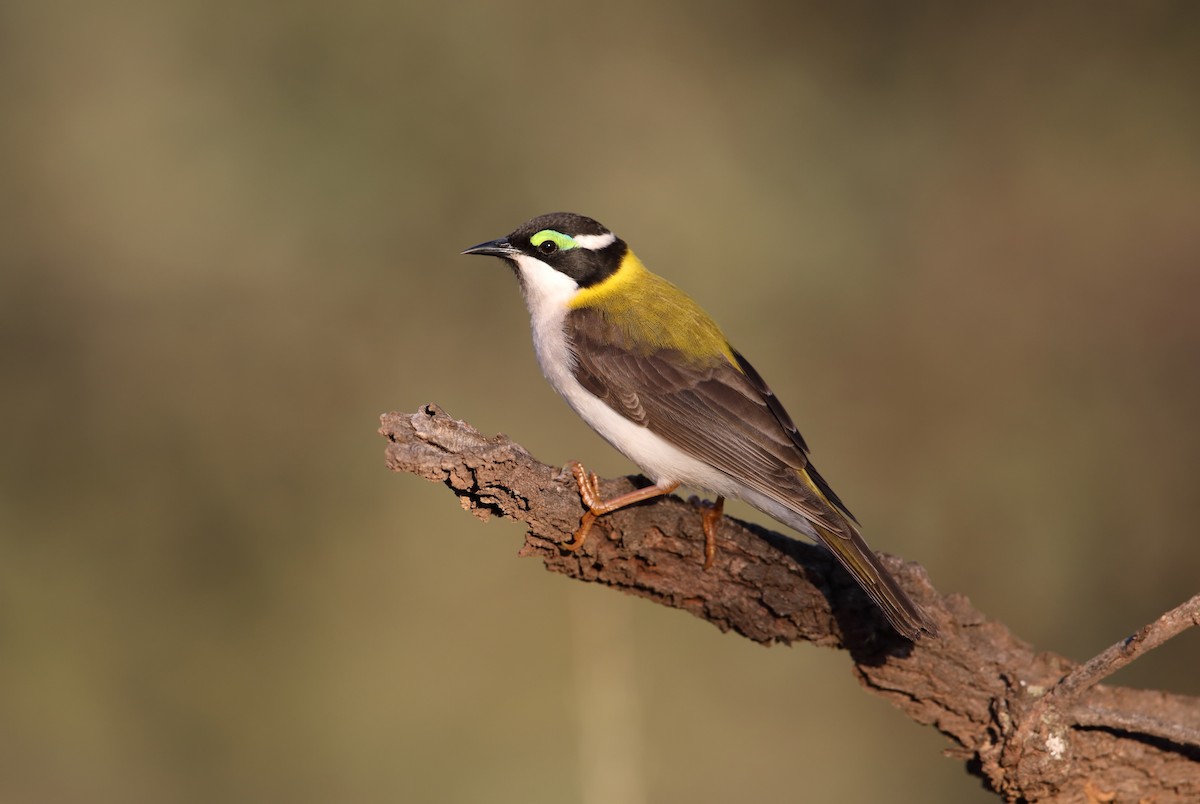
961	241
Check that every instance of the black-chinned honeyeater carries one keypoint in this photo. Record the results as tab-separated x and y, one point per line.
652	373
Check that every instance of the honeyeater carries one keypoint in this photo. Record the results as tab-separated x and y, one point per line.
652	373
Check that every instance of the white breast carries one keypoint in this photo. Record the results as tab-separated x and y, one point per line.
547	293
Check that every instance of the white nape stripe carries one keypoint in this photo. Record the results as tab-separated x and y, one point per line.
595	242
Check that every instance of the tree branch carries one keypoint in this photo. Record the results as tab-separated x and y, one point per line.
979	684
1087	675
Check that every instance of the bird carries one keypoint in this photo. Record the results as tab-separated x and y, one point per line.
645	367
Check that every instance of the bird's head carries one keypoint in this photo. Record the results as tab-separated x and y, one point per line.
558	246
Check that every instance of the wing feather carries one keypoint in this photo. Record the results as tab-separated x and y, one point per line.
717	411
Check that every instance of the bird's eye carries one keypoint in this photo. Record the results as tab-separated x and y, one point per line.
547	247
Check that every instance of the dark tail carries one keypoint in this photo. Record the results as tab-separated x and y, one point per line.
854	554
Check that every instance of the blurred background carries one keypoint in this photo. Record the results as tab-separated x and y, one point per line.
961	241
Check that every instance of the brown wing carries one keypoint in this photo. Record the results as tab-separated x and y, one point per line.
716	411
785	421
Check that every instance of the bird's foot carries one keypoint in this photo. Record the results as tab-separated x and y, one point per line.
710	513
589	493
589	487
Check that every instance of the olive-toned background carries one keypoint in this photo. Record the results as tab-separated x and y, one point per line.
961	241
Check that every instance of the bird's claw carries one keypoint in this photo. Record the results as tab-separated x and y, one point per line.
589	487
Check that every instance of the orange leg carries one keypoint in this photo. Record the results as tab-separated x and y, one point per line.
589	492
711	518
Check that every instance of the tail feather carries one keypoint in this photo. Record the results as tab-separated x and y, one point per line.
854	554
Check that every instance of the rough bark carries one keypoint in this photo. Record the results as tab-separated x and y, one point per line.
997	699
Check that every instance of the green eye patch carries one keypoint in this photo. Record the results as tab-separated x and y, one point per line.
564	242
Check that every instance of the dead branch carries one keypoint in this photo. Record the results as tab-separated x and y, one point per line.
1033	725
1087	675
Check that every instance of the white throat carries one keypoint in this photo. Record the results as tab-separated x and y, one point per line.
547	293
